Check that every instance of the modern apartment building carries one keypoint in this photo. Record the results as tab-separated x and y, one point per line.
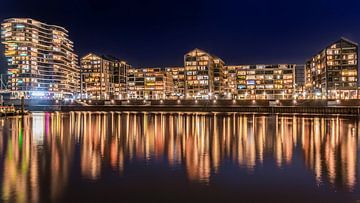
149	84
178	77
201	69
333	72
103	77
260	81
41	60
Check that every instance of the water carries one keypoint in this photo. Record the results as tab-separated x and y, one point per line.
149	157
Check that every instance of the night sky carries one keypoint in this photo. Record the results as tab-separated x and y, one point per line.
159	32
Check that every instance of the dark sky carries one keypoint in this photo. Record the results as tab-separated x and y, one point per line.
159	32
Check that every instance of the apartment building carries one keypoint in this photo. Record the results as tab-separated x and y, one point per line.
178	77
260	81
201	69
333	72
103	77
41	60
149	84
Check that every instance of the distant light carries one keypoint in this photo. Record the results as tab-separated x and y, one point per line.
178	101
38	94
19	26
253	101
234	101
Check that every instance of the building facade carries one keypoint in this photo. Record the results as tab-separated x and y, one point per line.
219	78
178	77
103	77
333	72
149	84
200	75
230	81
41	60
260	81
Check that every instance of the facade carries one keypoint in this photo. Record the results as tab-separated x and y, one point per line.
230	81
103	77
260	81
42	64
200	75
333	72
41	60
119	75
219	78
178	77
149	84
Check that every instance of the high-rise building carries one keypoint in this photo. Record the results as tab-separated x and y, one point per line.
333	72
41	60
260	81
103	77
149	84
200	75
178	76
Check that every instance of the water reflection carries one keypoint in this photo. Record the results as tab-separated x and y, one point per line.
37	152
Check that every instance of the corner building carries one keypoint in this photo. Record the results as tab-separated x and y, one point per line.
333	72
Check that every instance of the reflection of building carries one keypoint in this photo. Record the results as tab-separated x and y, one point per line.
41	60
27	169
260	81
149	83
199	144
333	72
93	145
103	77
203	74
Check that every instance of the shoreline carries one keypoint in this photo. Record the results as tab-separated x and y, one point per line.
345	110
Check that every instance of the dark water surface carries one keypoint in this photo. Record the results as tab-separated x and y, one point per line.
162	157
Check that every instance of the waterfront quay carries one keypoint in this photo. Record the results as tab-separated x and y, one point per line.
343	107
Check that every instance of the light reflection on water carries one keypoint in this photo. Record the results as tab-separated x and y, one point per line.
40	152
